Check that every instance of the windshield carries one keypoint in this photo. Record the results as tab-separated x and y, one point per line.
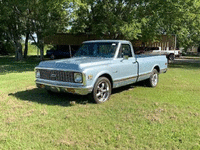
100	49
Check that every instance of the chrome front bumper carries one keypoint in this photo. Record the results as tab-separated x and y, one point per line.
56	86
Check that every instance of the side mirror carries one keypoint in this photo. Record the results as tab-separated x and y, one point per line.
125	57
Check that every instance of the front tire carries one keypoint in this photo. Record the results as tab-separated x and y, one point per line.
102	90
153	80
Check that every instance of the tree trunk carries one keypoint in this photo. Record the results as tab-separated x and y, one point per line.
26	45
40	44
41	51
18	51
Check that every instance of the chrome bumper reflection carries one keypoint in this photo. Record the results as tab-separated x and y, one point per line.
63	87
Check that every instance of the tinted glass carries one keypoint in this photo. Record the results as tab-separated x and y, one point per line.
97	49
125	49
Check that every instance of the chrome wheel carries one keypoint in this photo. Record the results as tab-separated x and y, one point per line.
154	79
102	90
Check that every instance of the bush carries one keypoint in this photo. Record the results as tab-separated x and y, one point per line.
7	48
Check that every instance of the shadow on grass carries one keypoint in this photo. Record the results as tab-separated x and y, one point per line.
9	65
128	87
63	99
185	65
43	97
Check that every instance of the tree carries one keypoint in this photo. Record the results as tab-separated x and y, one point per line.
143	19
49	17
11	26
108	17
27	17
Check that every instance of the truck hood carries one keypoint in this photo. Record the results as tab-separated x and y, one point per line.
76	63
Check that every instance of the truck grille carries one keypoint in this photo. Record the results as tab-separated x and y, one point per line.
56	75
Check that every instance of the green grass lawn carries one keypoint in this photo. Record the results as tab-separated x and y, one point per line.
34	50
135	117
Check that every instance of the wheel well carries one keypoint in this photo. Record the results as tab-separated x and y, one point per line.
157	68
109	77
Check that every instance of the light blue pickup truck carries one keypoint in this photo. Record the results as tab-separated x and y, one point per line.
98	67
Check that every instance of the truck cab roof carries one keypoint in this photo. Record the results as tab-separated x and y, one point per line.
103	41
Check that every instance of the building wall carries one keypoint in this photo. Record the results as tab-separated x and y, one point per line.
193	49
163	41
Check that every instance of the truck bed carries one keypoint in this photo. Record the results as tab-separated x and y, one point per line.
147	62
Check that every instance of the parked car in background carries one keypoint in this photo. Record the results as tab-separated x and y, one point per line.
169	53
98	67
61	51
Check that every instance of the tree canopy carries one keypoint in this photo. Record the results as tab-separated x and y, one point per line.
130	19
27	17
143	19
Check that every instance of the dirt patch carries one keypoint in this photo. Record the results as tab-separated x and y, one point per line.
65	142
153	117
3	97
30	88
173	117
28	113
67	139
10	119
11	103
43	112
17	107
181	60
156	115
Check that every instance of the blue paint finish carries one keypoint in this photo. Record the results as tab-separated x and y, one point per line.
122	71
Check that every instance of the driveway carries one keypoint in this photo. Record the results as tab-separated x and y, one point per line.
186	60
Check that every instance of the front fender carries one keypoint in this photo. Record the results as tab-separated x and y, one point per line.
100	74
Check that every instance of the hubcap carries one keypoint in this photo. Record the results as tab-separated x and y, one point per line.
102	92
155	79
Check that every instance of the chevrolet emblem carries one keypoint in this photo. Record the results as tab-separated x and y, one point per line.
53	75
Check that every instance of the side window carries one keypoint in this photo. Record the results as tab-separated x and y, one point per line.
125	49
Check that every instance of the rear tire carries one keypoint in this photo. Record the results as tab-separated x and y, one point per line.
102	90
171	57
153	80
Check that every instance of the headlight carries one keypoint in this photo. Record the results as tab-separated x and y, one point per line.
78	77
37	74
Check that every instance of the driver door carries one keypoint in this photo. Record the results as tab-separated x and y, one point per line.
126	66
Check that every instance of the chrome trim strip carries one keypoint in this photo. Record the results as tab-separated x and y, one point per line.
130	80
143	77
125	79
54	82
123	82
145	74
57	69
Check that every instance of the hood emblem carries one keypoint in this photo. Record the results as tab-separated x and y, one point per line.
53	75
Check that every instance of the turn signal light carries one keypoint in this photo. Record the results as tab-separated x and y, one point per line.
42	86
